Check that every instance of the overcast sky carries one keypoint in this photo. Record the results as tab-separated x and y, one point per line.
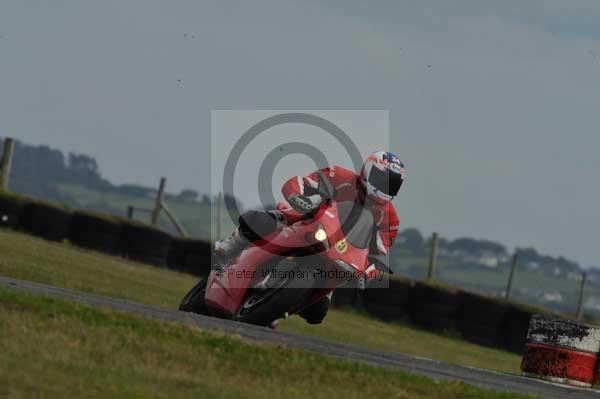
493	105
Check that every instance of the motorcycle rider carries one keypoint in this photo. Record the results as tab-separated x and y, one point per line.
379	181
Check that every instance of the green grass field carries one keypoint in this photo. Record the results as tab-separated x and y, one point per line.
30	258
55	348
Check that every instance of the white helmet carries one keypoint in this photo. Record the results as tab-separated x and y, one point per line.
382	176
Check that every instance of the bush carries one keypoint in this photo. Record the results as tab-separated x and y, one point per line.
480	318
46	220
387	298
144	243
190	256
433	306
96	231
11	206
515	325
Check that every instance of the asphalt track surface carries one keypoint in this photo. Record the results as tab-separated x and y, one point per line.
430	368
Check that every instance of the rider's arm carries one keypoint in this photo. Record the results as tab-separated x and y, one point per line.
343	180
298	187
302	192
387	231
383	239
381	245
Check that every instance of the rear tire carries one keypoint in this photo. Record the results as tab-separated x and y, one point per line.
193	302
287	297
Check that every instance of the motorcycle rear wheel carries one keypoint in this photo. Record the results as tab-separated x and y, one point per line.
193	301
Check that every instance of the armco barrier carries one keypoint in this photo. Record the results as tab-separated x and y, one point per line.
480	319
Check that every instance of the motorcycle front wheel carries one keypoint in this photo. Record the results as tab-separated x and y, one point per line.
289	296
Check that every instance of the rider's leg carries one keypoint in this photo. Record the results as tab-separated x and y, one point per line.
253	225
227	248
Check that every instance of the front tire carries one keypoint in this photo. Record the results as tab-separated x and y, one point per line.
292	294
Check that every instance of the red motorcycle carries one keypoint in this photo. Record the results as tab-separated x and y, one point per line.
293	267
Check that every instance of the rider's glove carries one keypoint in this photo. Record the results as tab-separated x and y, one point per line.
304	204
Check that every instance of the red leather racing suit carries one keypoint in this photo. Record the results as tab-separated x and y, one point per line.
347	186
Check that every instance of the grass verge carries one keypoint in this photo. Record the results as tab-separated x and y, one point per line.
353	327
30	258
56	348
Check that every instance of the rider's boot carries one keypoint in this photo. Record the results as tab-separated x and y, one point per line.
275	323
230	247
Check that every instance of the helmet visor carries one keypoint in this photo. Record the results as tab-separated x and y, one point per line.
386	181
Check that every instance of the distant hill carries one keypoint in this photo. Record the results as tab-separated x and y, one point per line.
37	170
75	180
489	254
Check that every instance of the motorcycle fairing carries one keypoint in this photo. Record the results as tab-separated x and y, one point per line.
226	289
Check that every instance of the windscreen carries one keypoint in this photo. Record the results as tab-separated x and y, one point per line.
357	223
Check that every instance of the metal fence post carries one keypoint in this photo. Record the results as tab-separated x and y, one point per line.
432	257
579	313
159	201
510	277
6	162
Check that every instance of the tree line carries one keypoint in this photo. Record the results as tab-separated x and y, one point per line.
412	241
38	170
